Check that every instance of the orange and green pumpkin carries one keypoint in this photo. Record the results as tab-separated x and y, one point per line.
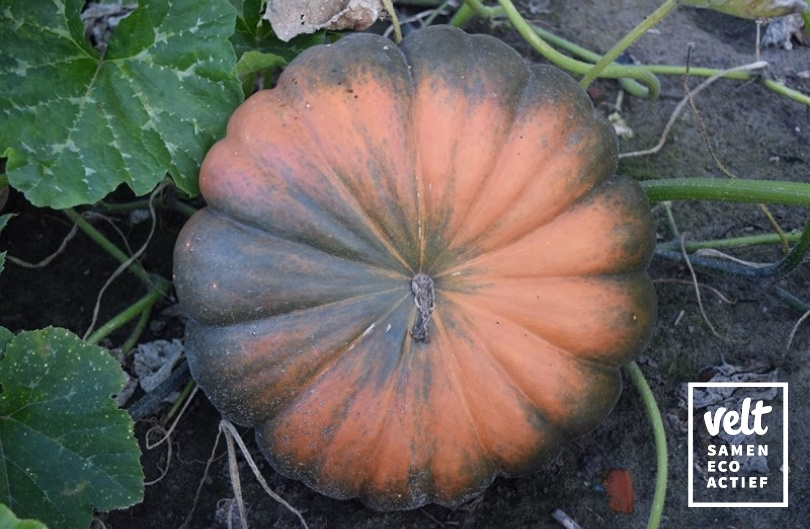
416	271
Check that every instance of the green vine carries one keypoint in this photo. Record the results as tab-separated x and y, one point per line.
793	259
648	23
614	71
654	416
133	311
158	287
134	266
628	76
734	242
136	333
737	190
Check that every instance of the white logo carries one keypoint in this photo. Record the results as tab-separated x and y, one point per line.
732	418
732	434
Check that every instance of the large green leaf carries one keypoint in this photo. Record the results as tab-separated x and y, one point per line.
9	521
75	125
65	448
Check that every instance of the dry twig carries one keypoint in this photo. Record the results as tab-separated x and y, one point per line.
679	108
563	519
47	260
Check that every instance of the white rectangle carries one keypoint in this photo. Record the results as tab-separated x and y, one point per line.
690	458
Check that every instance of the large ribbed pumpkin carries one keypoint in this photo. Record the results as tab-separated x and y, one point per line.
416	271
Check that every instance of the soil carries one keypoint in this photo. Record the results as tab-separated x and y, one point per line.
754	132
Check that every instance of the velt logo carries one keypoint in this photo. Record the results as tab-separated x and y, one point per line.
732	418
738	444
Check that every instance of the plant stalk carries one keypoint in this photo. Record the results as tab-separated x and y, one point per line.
133	311
134	267
654	416
613	71
734	242
663	10
786	265
136	333
737	190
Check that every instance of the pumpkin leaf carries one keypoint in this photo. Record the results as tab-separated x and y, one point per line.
3	222
254	34
9	521
76	124
255	61
5	337
56	413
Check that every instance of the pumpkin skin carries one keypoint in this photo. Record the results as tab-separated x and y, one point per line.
367	165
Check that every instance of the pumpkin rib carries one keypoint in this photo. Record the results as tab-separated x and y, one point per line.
351	345
261	232
240	370
594	361
422	487
534	101
347	56
496	459
561	424
591	248
448	363
453	372
209	177
374	227
463	93
225	237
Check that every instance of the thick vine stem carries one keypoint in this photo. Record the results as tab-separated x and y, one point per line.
627	75
134	267
613	71
654	416
135	335
734	242
663	10
738	190
133	311
790	262
751	191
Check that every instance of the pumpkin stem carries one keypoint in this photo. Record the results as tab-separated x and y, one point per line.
389	7
423	297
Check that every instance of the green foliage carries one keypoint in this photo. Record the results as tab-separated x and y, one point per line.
253	63
806	18
752	9
258	48
254	34
3	222
75	124
65	448
9	521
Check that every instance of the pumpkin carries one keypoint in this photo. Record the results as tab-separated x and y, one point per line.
416	270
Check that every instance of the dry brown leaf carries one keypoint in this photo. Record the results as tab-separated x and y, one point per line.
294	17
